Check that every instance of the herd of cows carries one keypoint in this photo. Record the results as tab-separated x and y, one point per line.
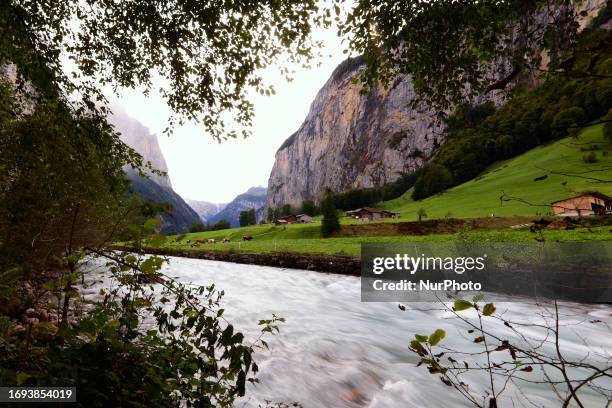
213	241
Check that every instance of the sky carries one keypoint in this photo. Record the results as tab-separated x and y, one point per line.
201	168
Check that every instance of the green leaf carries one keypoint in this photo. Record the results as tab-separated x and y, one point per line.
420	338
151	223
462	305
418	348
246	356
478	298
436	336
489	309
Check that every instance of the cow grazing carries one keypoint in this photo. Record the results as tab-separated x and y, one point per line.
200	241
226	240
247	238
211	241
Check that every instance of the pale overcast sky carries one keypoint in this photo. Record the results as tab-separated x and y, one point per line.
203	169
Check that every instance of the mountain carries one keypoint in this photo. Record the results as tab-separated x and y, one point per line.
205	209
350	140
354	140
157	188
182	216
140	138
254	197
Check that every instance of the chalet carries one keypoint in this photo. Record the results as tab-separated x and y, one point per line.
371	214
303	218
591	203
289	219
389	214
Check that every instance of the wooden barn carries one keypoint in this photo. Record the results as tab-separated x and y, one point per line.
371	214
289	219
591	203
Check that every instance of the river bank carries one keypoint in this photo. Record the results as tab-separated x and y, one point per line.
343	265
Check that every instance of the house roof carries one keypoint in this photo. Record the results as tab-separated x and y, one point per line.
371	210
366	209
586	194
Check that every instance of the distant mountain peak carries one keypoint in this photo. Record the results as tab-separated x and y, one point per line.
143	140
257	191
253	198
206	209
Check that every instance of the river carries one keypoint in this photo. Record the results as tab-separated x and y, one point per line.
335	351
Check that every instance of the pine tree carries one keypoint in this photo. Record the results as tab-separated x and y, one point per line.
330	222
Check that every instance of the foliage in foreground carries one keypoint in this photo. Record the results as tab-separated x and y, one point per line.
519	354
150	341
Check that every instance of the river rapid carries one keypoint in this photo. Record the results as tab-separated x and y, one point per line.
335	351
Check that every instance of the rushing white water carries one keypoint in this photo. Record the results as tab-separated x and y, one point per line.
335	351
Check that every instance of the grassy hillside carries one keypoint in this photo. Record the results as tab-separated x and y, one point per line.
480	197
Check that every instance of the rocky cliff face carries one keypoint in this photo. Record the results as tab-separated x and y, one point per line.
156	188
350	140
140	138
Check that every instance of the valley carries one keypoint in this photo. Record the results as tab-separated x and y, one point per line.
452	215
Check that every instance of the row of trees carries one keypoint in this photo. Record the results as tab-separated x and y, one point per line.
201	227
247	217
351	199
308	207
364	197
479	135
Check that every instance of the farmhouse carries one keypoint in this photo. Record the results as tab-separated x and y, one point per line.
371	214
591	203
289	219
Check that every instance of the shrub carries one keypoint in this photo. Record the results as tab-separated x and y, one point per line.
589	157
421	214
309	207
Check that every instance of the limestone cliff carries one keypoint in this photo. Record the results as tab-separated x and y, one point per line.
141	139
157	188
351	140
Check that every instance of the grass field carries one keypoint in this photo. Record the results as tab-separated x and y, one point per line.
351	246
476	198
515	177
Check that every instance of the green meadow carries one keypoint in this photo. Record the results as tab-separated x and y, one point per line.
514	178
264	241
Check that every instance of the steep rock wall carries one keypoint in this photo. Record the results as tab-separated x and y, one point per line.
351	140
